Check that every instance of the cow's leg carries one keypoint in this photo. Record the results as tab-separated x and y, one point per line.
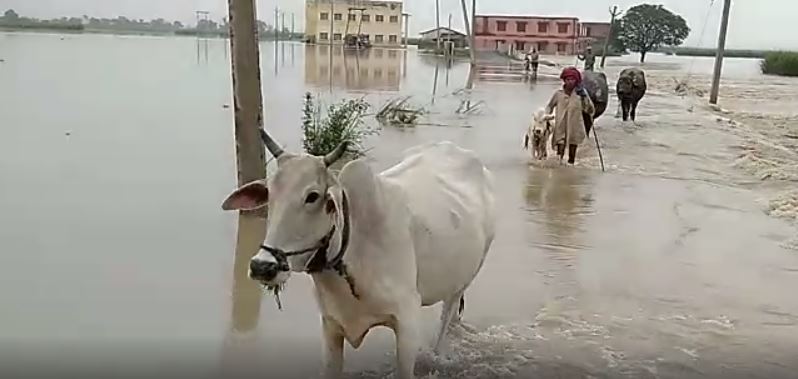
450	309
625	106
407	340
333	349
633	112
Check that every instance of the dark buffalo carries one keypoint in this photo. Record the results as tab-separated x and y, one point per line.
631	88
596	85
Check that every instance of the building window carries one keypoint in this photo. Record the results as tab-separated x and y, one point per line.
561	47
392	54
378	38
379	18
377	73
543	27
520	27
378	53
352	17
365	18
562	28
338	17
323	36
392	38
394	19
543	46
324	16
501	26
588	31
337	37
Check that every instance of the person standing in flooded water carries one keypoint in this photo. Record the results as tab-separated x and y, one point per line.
589	58
570	103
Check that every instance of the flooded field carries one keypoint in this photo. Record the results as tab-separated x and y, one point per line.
679	261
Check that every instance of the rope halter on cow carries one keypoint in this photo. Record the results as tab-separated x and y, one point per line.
318	262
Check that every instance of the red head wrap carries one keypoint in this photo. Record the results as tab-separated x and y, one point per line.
571	72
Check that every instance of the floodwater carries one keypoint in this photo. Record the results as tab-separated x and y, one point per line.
679	261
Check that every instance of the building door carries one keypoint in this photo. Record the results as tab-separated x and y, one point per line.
519	46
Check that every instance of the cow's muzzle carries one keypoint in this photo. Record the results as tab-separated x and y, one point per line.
268	270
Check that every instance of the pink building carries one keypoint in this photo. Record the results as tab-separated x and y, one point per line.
549	35
592	32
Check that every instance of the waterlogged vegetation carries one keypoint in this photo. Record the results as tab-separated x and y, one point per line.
780	63
343	122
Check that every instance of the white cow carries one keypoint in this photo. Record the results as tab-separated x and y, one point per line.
539	133
378	246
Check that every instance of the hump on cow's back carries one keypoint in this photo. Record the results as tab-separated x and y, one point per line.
446	156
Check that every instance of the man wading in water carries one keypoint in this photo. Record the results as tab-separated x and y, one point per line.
569	102
589	58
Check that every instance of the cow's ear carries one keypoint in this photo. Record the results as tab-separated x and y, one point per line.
549	117
333	200
252	195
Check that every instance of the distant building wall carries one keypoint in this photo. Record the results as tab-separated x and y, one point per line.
593	32
549	35
381	21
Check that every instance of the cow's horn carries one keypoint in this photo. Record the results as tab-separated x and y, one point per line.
336	154
271	144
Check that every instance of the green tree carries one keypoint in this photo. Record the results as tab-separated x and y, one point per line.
11	15
616	41
648	27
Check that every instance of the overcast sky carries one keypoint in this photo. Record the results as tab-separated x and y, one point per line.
754	24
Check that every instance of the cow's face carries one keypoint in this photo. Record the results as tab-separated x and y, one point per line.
541	121
304	203
303	199
625	84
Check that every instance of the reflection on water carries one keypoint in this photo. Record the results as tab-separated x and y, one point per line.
239	350
374	68
560	200
558	193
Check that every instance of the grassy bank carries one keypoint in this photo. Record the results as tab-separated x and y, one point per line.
43	26
268	36
781	63
705	52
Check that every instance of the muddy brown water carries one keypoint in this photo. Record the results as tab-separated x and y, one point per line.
116	152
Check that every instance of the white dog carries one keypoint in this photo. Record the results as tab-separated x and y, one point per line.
539	132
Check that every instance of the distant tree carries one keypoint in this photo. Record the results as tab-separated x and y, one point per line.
648	27
616	41
11	15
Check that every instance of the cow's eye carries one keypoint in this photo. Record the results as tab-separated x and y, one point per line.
312	198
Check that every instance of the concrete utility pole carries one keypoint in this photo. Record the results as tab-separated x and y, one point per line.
292	27
276	24
332	29
407	25
467	23
247	97
438	24
724	27
614	13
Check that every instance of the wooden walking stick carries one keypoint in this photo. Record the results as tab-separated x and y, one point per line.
601	157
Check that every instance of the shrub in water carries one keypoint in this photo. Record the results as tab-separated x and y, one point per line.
343	122
781	63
